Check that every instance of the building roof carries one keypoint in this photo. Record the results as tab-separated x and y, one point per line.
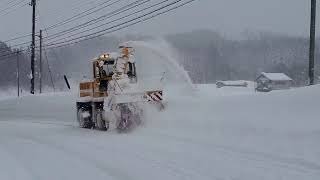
233	83
276	76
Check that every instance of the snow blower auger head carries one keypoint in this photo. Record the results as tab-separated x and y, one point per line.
114	93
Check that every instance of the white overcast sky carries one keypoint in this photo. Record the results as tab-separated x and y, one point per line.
230	17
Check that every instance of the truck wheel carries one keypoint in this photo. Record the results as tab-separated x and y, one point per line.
101	124
84	122
125	120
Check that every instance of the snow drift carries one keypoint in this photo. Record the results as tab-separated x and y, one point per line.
237	135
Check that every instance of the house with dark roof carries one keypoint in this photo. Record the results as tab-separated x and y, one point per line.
266	82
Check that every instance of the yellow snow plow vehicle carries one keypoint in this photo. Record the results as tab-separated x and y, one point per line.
114	94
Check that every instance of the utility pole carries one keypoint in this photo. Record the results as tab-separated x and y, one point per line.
33	4
312	41
40	61
18	73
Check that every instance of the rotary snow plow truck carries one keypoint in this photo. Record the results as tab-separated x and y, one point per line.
114	94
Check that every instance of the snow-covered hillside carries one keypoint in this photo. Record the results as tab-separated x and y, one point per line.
227	133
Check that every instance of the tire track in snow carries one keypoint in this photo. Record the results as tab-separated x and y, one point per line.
172	166
11	158
37	143
284	163
80	156
138	157
117	150
292	164
150	156
47	122
83	156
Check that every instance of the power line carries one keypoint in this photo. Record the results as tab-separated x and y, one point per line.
15	6
12	10
16	38
11	47
10	54
101	18
112	21
12	6
8	3
105	31
4	57
28	42
49	69
74	28
27	35
75	7
123	27
120	24
46	56
16	45
83	14
119	28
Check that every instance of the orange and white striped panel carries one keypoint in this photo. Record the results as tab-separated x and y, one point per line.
154	96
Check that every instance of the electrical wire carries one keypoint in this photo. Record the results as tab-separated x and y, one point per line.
83	14
16	45
16	38
49	69
118	25
114	28
10	54
136	12
74	28
74	7
8	4
101	18
23	36
86	38
46	56
12	6
12	10
20	37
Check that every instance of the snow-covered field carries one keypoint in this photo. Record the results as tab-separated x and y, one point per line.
223	134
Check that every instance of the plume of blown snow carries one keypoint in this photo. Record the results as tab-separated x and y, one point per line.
157	58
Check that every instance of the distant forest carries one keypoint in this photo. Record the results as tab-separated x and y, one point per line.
206	55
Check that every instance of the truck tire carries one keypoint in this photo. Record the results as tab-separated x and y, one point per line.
101	123
84	122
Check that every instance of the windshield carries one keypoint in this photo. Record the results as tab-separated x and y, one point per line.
108	68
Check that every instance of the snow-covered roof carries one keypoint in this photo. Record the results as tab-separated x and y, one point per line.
235	83
276	76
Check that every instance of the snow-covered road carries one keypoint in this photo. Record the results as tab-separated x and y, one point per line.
230	134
